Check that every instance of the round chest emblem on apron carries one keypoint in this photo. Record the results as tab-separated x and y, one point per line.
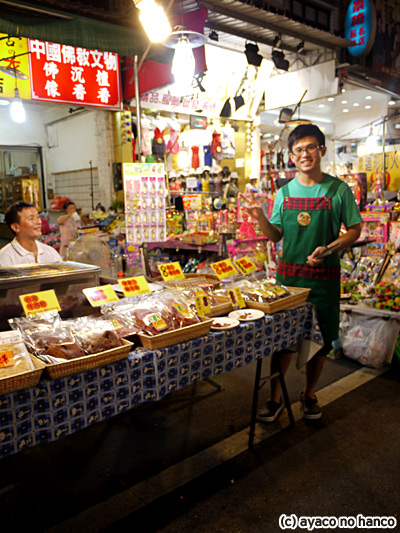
304	218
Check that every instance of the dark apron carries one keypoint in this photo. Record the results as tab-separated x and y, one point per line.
307	224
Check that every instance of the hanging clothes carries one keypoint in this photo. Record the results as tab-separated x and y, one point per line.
173	144
216	150
207	156
158	144
228	143
146	136
195	157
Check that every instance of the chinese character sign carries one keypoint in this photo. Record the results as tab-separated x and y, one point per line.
63	73
371	164
360	26
14	70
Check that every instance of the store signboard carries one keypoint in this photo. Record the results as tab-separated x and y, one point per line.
14	67
360	26
67	74
371	164
165	100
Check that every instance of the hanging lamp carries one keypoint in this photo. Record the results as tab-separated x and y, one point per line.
183	64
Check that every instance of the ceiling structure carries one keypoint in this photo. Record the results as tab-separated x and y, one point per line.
233	23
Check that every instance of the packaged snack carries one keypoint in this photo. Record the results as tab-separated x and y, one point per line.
95	334
14	357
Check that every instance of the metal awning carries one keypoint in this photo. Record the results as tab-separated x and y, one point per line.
36	22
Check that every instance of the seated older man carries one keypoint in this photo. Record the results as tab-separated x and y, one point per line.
23	220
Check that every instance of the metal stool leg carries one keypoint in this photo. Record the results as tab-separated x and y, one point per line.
255	402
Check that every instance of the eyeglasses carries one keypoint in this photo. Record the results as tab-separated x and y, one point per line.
310	149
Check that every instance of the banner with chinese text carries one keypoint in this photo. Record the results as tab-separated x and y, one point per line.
68	74
372	164
14	67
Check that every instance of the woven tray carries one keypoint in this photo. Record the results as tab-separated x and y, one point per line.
300	295
209	277
23	381
81	364
154	342
223	308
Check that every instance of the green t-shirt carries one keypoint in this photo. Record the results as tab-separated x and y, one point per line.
344	207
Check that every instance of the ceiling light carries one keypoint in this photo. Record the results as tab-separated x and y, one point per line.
213	35
367	107
368	97
331	99
17	110
300	47
252	55
277	41
344	101
153	19
279	60
4	102
397	126
276	137
392	102
183	64
356	104
321	105
345	110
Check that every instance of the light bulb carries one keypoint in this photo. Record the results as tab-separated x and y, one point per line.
183	66
154	20
17	110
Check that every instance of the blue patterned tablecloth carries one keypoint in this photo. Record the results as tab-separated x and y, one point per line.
54	409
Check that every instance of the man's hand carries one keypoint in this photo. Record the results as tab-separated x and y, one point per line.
252	207
311	259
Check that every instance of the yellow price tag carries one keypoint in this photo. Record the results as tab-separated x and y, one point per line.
100	295
132	286
224	269
39	302
236	297
201	302
171	271
245	265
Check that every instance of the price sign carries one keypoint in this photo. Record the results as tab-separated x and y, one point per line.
201	302
245	265
132	286
39	302
6	358
100	295
171	271
224	269
236	298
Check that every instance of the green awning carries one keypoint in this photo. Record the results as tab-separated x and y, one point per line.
25	20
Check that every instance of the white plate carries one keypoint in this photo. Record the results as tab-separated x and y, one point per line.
246	315
228	323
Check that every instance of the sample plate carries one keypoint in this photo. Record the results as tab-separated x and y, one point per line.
246	315
223	322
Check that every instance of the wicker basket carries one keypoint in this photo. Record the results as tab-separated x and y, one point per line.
154	342
23	381
209	277
223	308
300	295
81	364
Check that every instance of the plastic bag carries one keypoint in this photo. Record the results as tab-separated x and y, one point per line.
14	357
370	340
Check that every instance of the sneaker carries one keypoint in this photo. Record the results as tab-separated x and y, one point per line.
311	409
270	412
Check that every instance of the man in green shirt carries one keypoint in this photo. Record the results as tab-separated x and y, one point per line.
308	214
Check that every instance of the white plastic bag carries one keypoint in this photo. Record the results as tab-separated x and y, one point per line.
370	340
